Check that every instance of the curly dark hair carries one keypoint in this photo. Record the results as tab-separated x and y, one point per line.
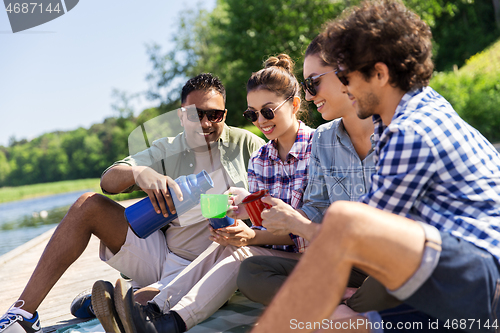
382	31
205	82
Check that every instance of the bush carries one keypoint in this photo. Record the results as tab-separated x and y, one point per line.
474	91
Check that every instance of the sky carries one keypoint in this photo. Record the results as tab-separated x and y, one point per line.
60	75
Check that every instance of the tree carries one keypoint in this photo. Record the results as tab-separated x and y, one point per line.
233	40
464	32
53	162
4	168
123	103
496	9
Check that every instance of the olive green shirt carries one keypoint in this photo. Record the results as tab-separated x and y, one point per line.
173	157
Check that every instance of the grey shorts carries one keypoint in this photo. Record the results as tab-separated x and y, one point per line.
148	262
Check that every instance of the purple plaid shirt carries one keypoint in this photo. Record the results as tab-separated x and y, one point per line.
284	180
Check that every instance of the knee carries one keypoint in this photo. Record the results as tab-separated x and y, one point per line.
88	203
89	199
245	274
343	218
247	280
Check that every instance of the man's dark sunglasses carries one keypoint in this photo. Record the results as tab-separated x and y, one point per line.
342	74
267	113
215	116
311	83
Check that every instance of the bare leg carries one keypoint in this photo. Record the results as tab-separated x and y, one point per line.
90	214
386	246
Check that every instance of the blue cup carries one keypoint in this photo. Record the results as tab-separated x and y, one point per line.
144	220
216	223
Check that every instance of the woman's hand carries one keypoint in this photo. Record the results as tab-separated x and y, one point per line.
237	209
238	234
156	187
280	218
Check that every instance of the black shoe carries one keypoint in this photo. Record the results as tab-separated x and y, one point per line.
104	307
137	318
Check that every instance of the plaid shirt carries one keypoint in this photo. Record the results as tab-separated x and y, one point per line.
284	180
434	167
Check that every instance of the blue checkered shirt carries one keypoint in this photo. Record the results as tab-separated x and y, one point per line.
434	167
284	180
335	170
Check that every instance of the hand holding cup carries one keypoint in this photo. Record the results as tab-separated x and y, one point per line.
279	218
238	234
254	206
237	209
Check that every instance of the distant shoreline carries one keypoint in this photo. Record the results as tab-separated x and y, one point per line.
9	194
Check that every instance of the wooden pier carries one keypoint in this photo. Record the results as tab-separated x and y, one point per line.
17	265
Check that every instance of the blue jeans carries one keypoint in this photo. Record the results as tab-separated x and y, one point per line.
462	292
404	318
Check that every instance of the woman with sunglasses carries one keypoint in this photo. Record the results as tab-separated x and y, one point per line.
280	166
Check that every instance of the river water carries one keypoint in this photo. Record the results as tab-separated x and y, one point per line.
21	221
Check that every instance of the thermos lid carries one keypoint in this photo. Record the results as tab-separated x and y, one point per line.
204	181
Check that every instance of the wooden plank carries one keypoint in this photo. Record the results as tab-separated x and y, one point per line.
16	268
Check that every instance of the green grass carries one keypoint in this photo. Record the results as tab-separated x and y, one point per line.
37	190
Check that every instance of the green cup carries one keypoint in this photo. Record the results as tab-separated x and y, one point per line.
214	205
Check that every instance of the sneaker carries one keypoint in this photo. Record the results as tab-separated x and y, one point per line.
104	307
137	318
81	306
13	322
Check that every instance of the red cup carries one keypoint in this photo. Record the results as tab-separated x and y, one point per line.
255	206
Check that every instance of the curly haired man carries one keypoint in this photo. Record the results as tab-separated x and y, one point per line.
428	229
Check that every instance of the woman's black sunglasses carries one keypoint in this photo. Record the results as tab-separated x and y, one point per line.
214	116
310	84
267	113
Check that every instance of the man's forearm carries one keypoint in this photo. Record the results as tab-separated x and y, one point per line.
117	179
